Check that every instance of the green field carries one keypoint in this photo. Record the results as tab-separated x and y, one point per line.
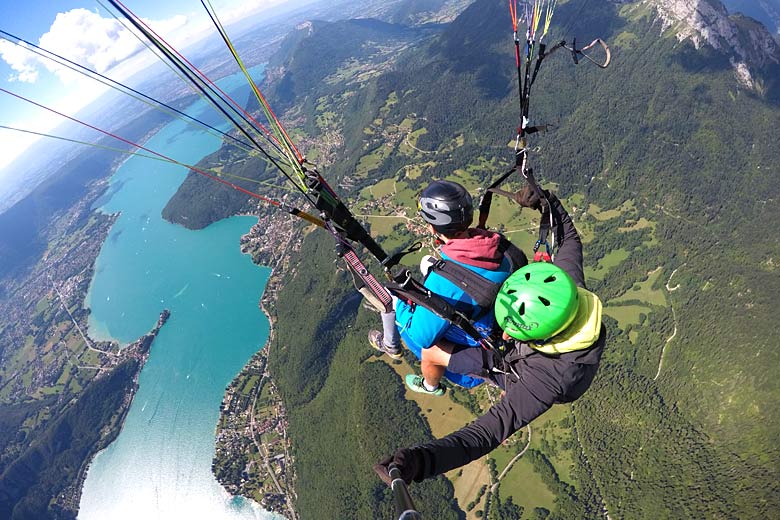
548	428
392	100
414	136
626	314
600	214
610	260
414	171
371	162
384	188
407	124
249	384
644	291
523	484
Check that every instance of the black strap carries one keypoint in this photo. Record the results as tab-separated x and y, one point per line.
394	259
549	219
410	290
487	199
514	254
334	210
479	288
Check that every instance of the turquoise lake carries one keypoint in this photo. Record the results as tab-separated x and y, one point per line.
160	465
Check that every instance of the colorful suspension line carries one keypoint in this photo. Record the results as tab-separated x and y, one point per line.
176	62
292	151
119	87
293	211
325	198
535	53
208	88
309	181
136	154
176	70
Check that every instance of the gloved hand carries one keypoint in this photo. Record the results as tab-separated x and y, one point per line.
526	197
407	461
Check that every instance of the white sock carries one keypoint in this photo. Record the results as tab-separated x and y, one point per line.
429	387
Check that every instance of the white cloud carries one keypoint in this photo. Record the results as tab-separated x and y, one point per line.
84	37
18	58
230	15
99	43
104	45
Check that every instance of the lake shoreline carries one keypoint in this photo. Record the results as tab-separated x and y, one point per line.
236	413
137	351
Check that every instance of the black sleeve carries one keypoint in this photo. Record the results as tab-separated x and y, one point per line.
523	402
569	255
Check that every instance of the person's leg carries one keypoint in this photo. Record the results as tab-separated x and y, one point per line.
434	362
390	335
389	339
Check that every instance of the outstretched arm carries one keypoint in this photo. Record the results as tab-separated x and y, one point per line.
569	255
524	401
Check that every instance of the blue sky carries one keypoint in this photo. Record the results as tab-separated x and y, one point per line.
84	32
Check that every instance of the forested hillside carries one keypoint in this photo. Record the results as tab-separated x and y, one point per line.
669	164
346	412
23	232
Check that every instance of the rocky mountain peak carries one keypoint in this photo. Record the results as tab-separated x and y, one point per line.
749	44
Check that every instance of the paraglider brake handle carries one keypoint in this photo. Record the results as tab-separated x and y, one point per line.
542	256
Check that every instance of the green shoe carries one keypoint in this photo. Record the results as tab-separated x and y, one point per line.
415	384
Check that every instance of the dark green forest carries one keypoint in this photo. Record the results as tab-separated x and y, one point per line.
346	410
55	460
671	428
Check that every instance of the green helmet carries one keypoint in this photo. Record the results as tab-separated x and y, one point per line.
536	302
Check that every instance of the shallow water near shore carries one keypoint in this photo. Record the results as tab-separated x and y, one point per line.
160	465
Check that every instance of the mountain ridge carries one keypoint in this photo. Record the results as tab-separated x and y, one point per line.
748	43
644	140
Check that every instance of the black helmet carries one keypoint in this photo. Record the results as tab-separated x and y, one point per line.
447	206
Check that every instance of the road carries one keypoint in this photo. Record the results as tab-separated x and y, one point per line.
512	462
263	450
674	316
406	140
83	336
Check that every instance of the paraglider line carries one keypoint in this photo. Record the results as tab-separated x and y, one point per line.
81	69
141	147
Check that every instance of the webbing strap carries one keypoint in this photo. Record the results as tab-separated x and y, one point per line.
410	290
487	199
479	288
357	267
334	210
514	254
482	290
395	258
546	223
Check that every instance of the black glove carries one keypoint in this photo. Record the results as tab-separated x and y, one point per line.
526	197
406	460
